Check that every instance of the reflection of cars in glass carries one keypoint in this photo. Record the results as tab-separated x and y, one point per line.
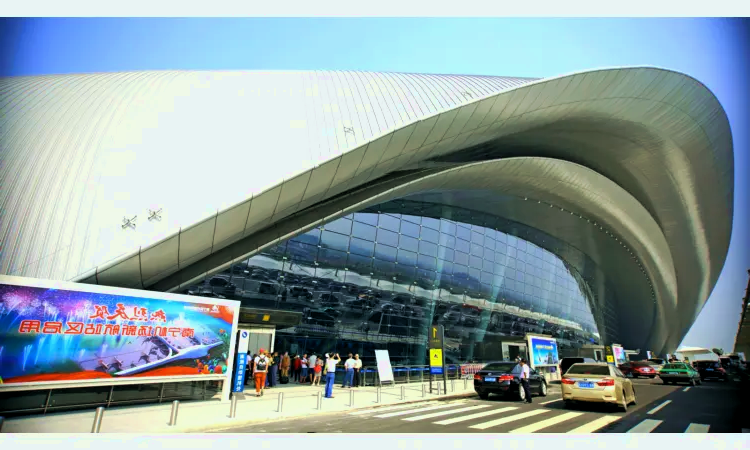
502	378
679	373
267	288
597	383
710	370
319	318
328	299
296	291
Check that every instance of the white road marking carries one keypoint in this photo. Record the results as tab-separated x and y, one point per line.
594	425
534	427
697	428
646	426
656	410
551	401
686	389
444	413
387	408
494	423
475	416
411	411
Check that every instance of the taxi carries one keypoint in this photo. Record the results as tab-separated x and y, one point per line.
674	373
597	383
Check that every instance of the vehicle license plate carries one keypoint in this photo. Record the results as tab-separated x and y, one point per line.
585	385
709	370
490	379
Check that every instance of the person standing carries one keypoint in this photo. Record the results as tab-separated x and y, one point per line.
331	361
357	368
260	370
296	367
312	364
317	371
524	376
349	372
273	373
303	368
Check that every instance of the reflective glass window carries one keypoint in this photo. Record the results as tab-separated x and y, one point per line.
408	243
310	237
477	238
364	231
389	222
332	257
302	252
334	240
362	247
406	257
387	237
385	252
445	253
383	269
463	246
448	228
477	250
447	240
426	262
463	233
430	235
461	258
409	229
368	218
343	226
360	264
475	262
429	222
428	248
488	266
474	274
445	267
413	219
460	269
489	255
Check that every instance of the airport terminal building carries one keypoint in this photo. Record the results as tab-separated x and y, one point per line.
352	210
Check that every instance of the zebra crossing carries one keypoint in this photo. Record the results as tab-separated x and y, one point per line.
467	416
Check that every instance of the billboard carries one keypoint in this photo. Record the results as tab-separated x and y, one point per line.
543	351
619	354
52	332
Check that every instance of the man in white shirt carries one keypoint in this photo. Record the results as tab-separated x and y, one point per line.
523	375
260	370
311	364
357	367
331	361
349	375
303	375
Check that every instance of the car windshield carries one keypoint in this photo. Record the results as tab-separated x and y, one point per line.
640	364
588	369
675	366
500	367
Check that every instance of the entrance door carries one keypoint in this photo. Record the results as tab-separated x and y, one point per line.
261	338
598	355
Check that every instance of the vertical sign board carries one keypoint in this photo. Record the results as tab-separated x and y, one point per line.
648	354
610	356
385	371
619	354
437	355
543	352
240	368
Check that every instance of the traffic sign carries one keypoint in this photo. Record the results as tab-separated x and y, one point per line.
436	336
436	357
610	359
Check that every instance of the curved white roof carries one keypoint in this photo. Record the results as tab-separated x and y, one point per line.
236	160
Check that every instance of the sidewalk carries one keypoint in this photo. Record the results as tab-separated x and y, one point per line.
298	400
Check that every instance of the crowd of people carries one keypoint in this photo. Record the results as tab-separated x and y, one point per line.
269	370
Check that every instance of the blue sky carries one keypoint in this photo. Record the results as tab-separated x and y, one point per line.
715	51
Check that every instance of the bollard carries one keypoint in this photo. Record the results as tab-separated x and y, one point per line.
173	415
97	426
377	393
466	383
280	403
351	398
439	386
424	390
320	400
2	419
233	407
403	392
453	385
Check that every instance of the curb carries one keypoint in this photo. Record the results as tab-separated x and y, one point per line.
220	427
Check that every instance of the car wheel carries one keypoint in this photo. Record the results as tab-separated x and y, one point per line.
624	402
543	389
521	393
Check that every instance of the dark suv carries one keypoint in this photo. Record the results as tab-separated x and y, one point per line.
710	369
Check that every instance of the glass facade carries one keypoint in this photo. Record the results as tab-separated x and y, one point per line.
379	278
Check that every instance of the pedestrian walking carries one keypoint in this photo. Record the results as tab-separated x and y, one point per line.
260	371
357	368
303	368
524	376
331	361
349	372
297	368
312	364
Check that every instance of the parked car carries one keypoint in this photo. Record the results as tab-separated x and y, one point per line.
502	378
597	383
567	363
637	369
679	373
710	370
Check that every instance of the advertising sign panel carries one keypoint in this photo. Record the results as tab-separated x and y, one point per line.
55	332
619	354
543	351
243	345
385	371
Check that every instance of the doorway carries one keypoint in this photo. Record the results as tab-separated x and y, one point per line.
260	338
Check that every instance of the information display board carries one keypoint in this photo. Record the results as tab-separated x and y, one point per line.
436	341
619	353
610	356
57	332
240	366
543	351
385	371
